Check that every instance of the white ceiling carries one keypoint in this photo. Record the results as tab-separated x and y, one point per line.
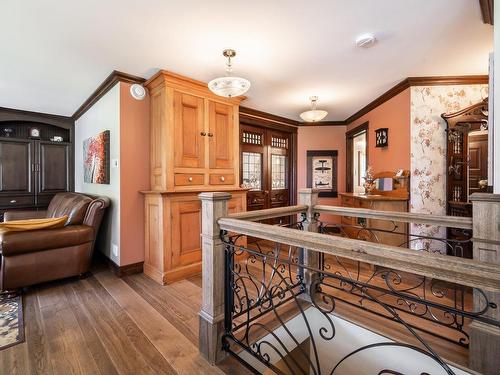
53	53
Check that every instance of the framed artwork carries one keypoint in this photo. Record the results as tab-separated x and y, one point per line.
96	159
382	137
322	170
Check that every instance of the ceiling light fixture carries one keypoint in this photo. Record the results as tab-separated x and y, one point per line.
365	40
229	86
313	115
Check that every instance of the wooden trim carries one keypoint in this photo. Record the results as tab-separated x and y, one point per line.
11	114
268	213
405	217
417	81
349	135
121	271
400	87
267	117
487	11
103	88
466	272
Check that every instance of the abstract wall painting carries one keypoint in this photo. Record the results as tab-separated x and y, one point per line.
96	162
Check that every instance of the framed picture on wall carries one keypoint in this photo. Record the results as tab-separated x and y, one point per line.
96	159
322	168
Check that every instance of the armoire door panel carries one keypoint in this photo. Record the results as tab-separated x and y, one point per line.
16	165
186	229
221	135
54	167
189	150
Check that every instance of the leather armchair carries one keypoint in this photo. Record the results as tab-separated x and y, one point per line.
37	256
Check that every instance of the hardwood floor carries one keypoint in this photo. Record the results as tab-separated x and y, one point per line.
107	325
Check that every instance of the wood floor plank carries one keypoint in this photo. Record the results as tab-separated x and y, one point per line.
36	342
91	338
66	353
184	316
119	339
176	348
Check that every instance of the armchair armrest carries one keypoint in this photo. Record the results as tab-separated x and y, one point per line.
22	215
15	243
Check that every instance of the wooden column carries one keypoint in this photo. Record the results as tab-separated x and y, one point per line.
214	206
484	347
309	197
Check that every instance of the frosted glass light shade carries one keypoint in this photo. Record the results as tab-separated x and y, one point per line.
313	115
229	86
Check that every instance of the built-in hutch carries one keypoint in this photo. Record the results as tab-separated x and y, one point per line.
194	148
394	199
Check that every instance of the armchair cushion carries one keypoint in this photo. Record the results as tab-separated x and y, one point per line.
33	224
23	215
15	243
73	205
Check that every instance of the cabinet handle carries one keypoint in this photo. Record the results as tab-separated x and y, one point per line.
13	201
190	179
210	135
203	134
222	178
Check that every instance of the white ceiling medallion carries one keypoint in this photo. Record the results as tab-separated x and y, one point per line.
137	91
365	40
229	86
313	115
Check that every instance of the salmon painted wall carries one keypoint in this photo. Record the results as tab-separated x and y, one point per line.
321	138
134	174
395	115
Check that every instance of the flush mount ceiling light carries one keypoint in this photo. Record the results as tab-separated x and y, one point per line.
365	40
229	86
313	115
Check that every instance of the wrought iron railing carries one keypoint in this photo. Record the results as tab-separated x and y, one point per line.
264	281
261	281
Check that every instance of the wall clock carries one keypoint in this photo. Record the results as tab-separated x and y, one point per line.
382	137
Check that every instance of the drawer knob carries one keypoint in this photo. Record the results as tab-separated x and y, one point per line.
203	134
210	135
190	179
13	201
222	178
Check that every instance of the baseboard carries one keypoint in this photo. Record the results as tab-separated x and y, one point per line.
120	271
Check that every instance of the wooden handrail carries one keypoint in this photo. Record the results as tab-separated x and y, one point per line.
269	213
467	272
405	217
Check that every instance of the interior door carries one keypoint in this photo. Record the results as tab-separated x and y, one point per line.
189	132
265	166
254	166
16	163
478	161
221	135
53	170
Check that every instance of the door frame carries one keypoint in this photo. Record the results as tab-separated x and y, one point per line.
349	137
273	125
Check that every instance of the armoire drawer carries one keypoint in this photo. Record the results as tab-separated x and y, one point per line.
187	179
347	201
365	204
221	179
16	201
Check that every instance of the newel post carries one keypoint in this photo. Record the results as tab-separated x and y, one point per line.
213	207
484	346
309	197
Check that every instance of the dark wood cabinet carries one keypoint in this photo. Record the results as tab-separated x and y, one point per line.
34	169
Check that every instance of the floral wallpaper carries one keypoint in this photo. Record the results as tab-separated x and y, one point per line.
428	151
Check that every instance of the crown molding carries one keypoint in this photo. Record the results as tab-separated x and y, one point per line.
104	87
487	11
417	81
261	115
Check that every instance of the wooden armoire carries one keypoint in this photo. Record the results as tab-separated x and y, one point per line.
194	148
34	168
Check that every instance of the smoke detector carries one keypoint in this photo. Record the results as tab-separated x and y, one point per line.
137	91
365	40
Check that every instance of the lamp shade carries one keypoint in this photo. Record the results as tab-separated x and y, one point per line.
313	115
229	86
